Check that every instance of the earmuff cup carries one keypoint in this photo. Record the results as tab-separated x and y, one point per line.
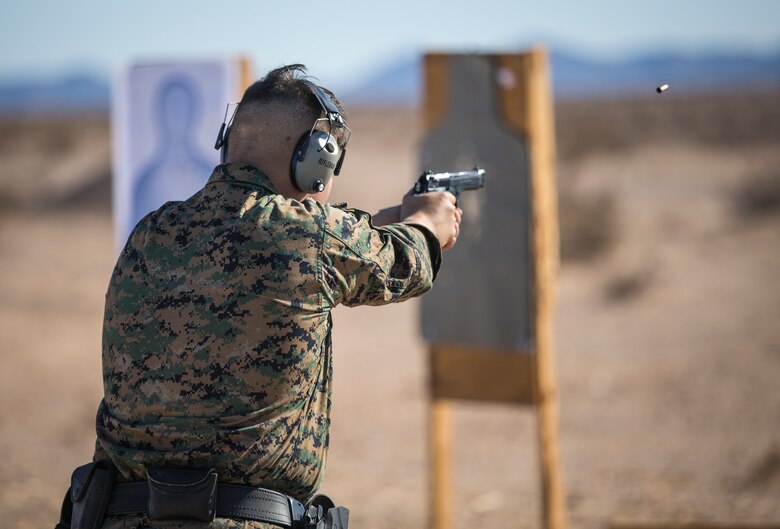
317	157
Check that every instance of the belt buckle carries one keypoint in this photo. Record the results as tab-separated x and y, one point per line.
176	493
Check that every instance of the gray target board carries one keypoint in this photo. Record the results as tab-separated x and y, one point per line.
483	294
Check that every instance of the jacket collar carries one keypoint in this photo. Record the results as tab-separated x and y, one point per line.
242	174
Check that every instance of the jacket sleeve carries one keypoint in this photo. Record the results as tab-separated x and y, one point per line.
364	265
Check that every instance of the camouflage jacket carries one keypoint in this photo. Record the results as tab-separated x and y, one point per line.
216	337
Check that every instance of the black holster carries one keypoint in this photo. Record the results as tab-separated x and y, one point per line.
85	503
322	513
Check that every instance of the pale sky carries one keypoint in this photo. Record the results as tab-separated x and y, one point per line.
342	42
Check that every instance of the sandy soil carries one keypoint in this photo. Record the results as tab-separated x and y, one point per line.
668	344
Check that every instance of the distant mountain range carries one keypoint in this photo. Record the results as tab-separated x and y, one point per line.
400	82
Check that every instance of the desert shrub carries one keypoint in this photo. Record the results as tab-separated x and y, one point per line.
758	194
8	202
588	225
628	285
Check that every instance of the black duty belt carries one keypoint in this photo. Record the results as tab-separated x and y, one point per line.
191	494
232	501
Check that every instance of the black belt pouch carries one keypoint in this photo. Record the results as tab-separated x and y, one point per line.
176	493
90	492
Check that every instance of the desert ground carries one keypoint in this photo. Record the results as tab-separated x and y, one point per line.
667	325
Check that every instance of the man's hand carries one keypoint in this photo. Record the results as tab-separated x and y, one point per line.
435	211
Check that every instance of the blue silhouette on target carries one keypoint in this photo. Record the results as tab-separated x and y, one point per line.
177	168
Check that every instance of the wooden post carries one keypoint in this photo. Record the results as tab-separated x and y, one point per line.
528	108
545	241
440	457
245	68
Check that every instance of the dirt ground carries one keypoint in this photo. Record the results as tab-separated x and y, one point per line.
667	325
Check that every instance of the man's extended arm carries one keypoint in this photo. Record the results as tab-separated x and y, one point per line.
365	265
368	265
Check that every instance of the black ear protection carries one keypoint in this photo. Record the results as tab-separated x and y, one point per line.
317	155
224	132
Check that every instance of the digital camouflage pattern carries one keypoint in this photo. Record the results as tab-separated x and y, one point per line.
216	338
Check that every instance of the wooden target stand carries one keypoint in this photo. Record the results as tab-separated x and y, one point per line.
523	377
245	67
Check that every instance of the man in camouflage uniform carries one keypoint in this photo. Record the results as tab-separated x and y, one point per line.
216	339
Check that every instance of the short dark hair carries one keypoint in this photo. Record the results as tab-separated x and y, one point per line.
291	84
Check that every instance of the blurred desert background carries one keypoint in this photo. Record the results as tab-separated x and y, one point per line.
667	322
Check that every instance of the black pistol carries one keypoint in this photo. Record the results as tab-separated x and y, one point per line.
453	182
